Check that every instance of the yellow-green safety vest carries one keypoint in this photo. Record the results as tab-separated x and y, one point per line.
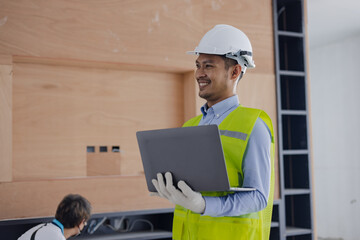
235	131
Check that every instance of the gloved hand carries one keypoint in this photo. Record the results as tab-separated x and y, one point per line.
186	198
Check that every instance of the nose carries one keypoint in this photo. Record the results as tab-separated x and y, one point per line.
200	73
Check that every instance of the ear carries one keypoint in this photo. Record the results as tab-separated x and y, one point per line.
83	222
235	72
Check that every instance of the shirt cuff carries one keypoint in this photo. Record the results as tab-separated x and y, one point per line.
211	206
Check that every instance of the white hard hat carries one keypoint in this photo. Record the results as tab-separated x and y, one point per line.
229	41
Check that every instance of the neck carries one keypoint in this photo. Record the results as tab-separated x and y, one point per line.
69	232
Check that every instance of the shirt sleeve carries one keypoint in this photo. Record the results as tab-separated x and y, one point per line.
257	170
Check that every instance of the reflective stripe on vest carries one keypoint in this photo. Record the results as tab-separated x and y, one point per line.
233	134
234	131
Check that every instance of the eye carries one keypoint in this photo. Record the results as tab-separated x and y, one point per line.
197	66
208	66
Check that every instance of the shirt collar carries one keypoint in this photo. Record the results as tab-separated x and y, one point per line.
58	224
221	107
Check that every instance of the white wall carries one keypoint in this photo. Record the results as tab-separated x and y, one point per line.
335	111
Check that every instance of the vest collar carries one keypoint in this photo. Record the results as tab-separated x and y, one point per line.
58	224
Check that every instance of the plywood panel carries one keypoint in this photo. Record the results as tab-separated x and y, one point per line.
94	64
5	59
258	91
58	111
103	163
5	123
106	194
139	32
153	32
97	71
192	101
189	96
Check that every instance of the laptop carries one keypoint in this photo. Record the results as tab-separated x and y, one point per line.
191	154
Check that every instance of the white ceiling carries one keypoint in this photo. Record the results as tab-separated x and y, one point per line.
332	20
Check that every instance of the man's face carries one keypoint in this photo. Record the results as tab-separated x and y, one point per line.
213	79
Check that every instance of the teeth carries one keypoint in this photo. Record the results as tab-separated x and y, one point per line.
203	84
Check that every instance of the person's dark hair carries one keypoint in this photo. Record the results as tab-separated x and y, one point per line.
72	210
229	63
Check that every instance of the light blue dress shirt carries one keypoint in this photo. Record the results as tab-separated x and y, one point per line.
256	166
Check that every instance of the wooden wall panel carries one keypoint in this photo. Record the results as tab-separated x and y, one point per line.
91	72
58	111
189	95
137	32
6	59
192	101
103	163
106	194
5	123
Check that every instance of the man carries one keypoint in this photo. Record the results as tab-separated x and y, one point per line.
70	219
224	54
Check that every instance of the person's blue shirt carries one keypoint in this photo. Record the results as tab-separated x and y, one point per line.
256	166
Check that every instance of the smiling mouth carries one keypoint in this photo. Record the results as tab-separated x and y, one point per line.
203	84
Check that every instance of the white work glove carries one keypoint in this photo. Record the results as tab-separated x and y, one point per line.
186	198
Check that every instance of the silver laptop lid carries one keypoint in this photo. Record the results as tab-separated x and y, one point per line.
191	154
